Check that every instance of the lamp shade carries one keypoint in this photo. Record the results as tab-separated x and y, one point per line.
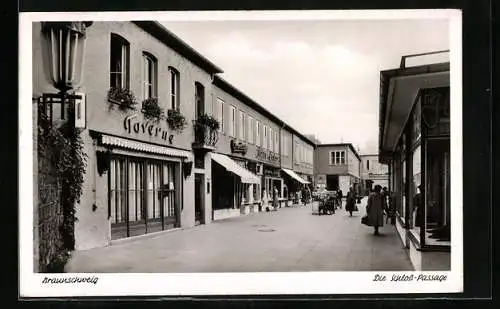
64	47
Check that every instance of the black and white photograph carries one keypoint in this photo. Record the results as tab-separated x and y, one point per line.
257	152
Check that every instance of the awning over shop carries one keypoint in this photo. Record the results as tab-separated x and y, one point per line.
233	167
140	146
295	176
399	90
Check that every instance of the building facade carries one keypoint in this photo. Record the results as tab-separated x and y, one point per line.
337	166
373	173
415	143
146	174
260	143
139	178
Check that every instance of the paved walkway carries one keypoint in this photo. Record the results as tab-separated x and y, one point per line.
291	239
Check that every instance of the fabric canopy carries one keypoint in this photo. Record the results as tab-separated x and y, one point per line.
233	167
295	176
140	146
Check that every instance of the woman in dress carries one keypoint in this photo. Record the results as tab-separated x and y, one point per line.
375	209
350	202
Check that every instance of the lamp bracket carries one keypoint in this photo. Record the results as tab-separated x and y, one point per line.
48	99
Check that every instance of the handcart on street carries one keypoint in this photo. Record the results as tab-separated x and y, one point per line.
325	205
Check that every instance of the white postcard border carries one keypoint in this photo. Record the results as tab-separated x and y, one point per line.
233	283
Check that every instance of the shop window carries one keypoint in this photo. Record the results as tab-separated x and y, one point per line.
437	192
142	197
199	99
403	191
174	88
150	76
417	201
119	62
256	193
244	193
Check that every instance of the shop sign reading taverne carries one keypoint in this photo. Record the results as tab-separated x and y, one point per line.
151	128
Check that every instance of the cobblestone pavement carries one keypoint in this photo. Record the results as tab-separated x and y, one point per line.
291	239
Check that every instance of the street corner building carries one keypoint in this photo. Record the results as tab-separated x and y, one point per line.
414	141
373	173
169	143
337	166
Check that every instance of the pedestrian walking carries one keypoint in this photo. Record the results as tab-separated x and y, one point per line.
275	198
339	196
304	196
350	203
265	200
385	196
375	209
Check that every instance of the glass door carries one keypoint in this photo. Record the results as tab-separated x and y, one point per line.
154	196
126	198
135	202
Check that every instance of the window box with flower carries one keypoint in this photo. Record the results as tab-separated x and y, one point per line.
123	97
176	120
152	110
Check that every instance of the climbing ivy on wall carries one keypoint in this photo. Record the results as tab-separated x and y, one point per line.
63	147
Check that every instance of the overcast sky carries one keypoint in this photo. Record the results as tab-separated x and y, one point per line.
320	77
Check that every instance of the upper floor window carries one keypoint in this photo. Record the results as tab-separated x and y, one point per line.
232	121
199	95
241	129
150	76
367	164
119	62
337	157
284	146
276	142
174	88
270	136
264	142
219	113
250	126
257	133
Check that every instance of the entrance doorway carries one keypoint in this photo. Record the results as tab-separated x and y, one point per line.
199	185
332	182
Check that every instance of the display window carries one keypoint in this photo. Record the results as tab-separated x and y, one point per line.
141	195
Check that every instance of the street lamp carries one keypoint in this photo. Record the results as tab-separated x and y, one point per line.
63	51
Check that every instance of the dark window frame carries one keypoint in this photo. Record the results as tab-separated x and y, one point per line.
117	41
152	79
175	77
